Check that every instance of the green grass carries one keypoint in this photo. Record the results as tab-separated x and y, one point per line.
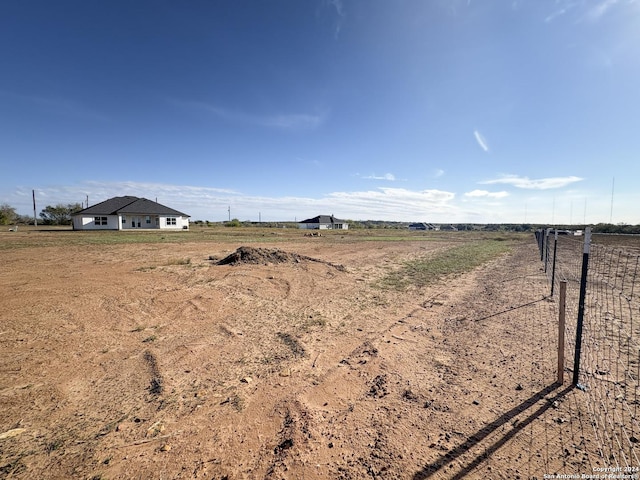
453	261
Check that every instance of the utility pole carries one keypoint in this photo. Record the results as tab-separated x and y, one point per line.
571	214
35	218
229	212
613	183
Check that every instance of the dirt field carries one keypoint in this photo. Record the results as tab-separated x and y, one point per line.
149	359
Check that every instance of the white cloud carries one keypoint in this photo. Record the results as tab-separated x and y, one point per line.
481	140
599	10
396	204
207	203
534	184
555	14
387	176
486	194
438	173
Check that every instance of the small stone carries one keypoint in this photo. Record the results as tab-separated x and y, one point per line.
285	373
166	448
12	433
519	387
476	402
155	429
246	380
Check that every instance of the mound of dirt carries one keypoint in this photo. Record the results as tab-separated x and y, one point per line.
265	256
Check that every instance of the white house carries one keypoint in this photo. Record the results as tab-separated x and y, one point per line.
324	222
129	213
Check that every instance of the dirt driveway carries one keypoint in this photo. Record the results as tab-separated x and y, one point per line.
143	360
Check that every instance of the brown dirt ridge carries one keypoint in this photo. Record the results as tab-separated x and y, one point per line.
265	256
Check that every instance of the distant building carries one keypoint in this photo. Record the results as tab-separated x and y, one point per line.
129	213
449	228
422	226
324	222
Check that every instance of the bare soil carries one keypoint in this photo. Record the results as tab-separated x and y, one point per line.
123	361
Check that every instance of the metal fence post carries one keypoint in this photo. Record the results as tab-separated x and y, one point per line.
583	294
553	265
546	248
561	326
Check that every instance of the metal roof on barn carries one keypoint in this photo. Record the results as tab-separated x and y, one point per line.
129	205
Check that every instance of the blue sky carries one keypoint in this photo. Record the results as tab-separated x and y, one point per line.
411	110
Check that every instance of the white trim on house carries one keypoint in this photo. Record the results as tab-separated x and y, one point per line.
133	221
323	222
129	213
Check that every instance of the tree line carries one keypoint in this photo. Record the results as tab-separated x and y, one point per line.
59	214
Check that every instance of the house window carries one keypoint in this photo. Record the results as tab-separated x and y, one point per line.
171	221
147	220
100	220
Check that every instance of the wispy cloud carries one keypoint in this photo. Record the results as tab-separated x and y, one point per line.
387	176
56	106
486	194
284	121
481	140
387	202
340	16
313	162
438	173
533	184
596	12
291	121
554	15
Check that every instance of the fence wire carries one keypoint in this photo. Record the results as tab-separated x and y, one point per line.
609	368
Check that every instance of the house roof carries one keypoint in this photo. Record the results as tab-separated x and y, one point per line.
422	225
323	219
129	205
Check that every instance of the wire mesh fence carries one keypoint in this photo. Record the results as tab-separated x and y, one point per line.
602	334
533	428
